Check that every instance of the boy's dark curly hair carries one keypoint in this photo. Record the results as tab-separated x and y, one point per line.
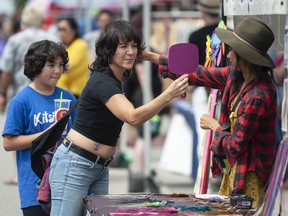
41	52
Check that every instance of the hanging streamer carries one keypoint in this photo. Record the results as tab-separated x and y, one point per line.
214	51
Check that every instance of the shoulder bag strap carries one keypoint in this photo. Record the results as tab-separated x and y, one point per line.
73	107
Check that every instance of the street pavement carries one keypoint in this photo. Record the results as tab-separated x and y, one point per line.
119	180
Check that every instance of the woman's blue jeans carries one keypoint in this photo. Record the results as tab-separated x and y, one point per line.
73	177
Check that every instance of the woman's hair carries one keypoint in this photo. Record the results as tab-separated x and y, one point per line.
109	39
259	70
41	52
72	24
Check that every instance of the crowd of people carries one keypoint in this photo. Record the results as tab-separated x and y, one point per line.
104	69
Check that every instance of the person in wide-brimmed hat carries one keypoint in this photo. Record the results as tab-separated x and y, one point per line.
244	137
250	40
209	6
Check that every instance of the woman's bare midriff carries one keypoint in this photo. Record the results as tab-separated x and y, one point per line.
102	150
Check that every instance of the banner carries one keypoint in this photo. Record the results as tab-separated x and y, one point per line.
254	7
277	25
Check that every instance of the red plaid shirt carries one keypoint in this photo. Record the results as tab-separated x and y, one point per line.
252	141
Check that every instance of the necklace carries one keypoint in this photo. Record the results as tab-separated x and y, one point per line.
236	100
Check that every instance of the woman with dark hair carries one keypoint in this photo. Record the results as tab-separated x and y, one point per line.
80	165
31	112
77	74
244	138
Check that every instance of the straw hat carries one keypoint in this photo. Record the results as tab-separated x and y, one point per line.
251	40
209	6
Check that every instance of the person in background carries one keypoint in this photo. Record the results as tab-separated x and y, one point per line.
134	88
3	33
279	73
104	17
11	62
31	112
75	78
211	15
210	10
243	145
80	165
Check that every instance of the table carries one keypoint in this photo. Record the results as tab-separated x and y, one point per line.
161	204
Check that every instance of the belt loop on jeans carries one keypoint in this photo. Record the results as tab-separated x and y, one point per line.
70	143
97	159
107	162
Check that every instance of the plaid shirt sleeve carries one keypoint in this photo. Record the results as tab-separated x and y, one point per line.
204	76
163	69
248	122
252	142
211	77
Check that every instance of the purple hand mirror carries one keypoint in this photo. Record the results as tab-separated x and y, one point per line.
183	58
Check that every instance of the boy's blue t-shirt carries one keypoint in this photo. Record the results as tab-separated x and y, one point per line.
30	112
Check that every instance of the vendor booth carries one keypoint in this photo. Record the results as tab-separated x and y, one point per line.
166	204
273	13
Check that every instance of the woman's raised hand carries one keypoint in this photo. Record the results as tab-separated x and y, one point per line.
178	87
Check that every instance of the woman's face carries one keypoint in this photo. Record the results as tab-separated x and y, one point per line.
238	63
50	73
232	57
65	32
125	56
